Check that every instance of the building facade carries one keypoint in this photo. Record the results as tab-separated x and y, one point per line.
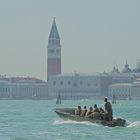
136	90
121	91
79	86
122	85
22	88
125	90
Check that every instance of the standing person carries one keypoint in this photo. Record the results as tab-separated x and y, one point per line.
108	110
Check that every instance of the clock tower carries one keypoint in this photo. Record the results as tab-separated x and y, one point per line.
53	52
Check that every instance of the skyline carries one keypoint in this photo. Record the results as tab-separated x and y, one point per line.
95	36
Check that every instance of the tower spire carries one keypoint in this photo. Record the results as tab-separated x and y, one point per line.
54	32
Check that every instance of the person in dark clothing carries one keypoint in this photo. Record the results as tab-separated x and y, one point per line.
101	110
102	114
108	111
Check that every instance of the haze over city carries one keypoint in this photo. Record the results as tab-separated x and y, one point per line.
95	35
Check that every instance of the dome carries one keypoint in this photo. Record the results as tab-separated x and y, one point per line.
126	69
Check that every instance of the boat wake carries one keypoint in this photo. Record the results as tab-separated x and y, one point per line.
135	124
59	122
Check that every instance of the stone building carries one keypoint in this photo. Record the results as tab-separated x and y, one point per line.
79	86
125	90
121	91
22	88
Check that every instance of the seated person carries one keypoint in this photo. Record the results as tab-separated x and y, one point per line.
89	112
78	111
102	114
95	113
83	113
96	108
101	110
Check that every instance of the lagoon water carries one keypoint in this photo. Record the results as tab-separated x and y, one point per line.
36	120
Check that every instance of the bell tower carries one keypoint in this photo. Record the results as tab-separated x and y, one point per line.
53	52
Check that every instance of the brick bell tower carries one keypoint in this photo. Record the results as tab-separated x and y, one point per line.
53	52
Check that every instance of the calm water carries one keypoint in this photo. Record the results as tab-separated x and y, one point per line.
36	120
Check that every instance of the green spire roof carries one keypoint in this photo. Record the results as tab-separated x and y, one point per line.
54	32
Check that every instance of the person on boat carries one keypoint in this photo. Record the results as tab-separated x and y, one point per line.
102	113
108	110
78	111
89	112
101	110
95	113
83	113
96	109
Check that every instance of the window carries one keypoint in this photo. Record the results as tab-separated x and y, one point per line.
75	84
69	83
81	83
113	91
54	83
88	84
51	51
57	51
95	84
61	83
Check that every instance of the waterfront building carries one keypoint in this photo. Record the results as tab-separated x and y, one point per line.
125	90
22	88
79	86
136	89
71	86
123	77
120	91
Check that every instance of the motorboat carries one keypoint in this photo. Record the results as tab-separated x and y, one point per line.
69	114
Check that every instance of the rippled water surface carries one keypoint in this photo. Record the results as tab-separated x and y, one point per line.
36	120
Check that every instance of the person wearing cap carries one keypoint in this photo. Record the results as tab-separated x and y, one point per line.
108	110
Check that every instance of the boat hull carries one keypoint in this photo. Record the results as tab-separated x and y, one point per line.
69	114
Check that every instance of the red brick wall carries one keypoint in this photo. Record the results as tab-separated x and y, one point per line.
54	66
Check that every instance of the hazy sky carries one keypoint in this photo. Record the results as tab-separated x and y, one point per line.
95	35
